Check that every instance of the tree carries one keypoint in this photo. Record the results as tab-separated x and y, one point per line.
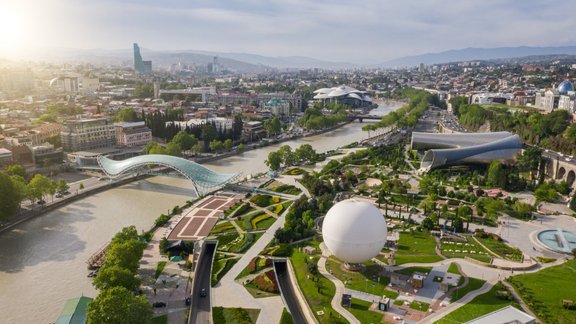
497	175
19	187
115	276
62	186
273	127
9	197
126	234
16	169
288	157
216	146
546	192
39	186
228	144
173	149
306	153
241	148
573	202
118	305
274	160
126	255
530	160
144	90
126	115
184	140
428	224
81	186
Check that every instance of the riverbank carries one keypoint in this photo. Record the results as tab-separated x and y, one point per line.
35	212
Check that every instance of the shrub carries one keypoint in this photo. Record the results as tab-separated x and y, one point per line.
261	200
161	220
258	219
282	250
253	265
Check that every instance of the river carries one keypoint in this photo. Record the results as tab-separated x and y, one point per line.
42	261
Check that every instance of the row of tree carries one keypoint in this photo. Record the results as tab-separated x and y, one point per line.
16	186
118	301
284	156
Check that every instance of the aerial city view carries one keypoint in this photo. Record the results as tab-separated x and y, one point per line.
287	162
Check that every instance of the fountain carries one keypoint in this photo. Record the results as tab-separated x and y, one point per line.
558	240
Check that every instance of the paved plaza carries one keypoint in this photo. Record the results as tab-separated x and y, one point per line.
197	223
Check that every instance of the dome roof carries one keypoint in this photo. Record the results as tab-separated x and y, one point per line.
354	230
565	86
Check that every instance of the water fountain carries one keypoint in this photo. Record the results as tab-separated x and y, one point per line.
558	240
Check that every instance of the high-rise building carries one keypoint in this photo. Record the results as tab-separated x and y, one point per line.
140	66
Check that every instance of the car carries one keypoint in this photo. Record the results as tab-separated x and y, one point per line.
40	202
203	292
187	301
159	304
59	195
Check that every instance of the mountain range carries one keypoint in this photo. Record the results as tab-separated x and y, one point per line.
250	63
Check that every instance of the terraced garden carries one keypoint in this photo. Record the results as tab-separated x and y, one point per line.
470	248
416	247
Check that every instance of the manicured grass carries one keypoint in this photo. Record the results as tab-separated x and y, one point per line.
360	310
470	248
225	240
481	305
420	306
544	291
318	299
409	271
502	249
366	281
220	268
286	317
234	315
473	284
287	189
453	268
162	319
223	227
417	247
257	293
263	221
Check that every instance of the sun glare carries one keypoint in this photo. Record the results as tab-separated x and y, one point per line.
13	29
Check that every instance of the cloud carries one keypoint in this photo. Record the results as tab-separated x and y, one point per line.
335	30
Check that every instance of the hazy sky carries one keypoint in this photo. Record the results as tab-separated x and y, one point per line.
371	30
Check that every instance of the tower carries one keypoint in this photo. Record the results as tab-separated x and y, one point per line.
140	66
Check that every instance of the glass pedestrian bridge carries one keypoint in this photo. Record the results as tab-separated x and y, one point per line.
201	177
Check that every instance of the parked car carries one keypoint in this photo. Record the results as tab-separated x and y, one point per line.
159	304
40	202
203	292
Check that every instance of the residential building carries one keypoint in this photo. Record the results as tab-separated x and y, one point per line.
133	134
278	107
86	134
47	154
5	157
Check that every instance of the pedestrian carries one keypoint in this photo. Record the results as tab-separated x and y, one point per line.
154	291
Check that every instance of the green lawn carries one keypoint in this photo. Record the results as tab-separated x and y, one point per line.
544	291
471	249
453	268
223	227
264	223
257	293
234	315
481	305
417	247
366	281
409	271
360	310
226	239
473	284
319	300
502	249
162	319
286	317
420	306
220	268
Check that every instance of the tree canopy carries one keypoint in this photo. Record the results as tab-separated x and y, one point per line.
118	305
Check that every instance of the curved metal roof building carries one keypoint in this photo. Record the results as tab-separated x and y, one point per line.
343	92
465	148
199	175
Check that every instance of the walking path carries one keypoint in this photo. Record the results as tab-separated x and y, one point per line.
340	289
229	293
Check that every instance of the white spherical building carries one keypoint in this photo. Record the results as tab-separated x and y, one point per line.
354	231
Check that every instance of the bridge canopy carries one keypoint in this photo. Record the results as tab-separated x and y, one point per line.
198	174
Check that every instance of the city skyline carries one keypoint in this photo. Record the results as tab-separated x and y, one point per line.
370	31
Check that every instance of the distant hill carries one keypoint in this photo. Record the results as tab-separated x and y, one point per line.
471	54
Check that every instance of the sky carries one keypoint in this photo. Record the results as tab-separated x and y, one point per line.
338	30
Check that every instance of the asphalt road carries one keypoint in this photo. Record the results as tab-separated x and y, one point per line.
201	305
288	292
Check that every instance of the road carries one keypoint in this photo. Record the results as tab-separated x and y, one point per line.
201	305
288	292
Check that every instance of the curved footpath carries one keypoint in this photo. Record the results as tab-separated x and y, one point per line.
471	269
340	289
